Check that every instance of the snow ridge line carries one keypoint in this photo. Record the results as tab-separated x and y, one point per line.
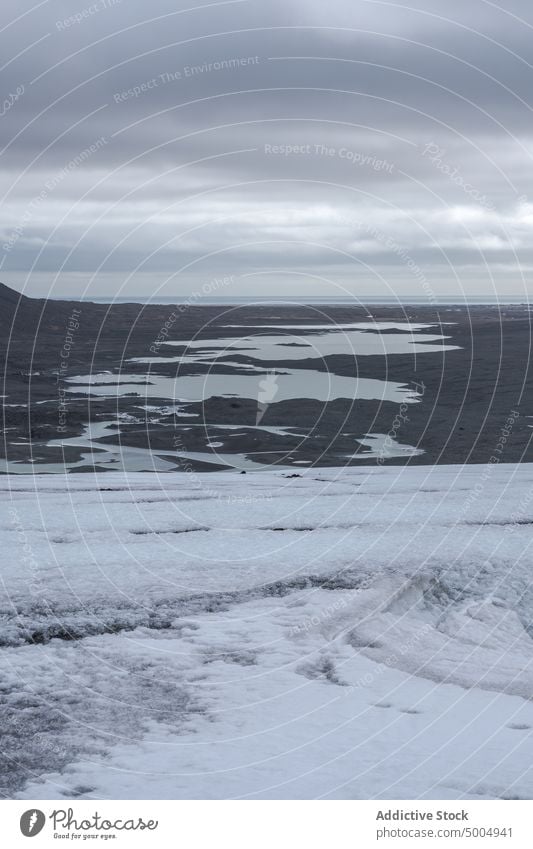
23	628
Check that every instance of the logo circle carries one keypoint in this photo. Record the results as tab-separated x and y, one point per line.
32	822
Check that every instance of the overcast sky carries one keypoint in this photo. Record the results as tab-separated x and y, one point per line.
267	147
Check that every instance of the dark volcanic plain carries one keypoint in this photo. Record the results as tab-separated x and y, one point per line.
469	393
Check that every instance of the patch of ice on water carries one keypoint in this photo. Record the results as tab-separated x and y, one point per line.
291	385
383	446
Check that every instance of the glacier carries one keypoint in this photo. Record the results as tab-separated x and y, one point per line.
336	634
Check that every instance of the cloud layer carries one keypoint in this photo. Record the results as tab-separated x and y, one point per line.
298	147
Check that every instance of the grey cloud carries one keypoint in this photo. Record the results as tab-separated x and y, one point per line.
389	86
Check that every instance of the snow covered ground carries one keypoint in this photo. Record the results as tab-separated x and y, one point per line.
361	633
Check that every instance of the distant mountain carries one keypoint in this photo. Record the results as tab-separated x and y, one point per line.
24	319
13	305
9	296
32	326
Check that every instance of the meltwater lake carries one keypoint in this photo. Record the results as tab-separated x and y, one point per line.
254	386
266	365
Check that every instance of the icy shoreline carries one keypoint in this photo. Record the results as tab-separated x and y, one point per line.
338	634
